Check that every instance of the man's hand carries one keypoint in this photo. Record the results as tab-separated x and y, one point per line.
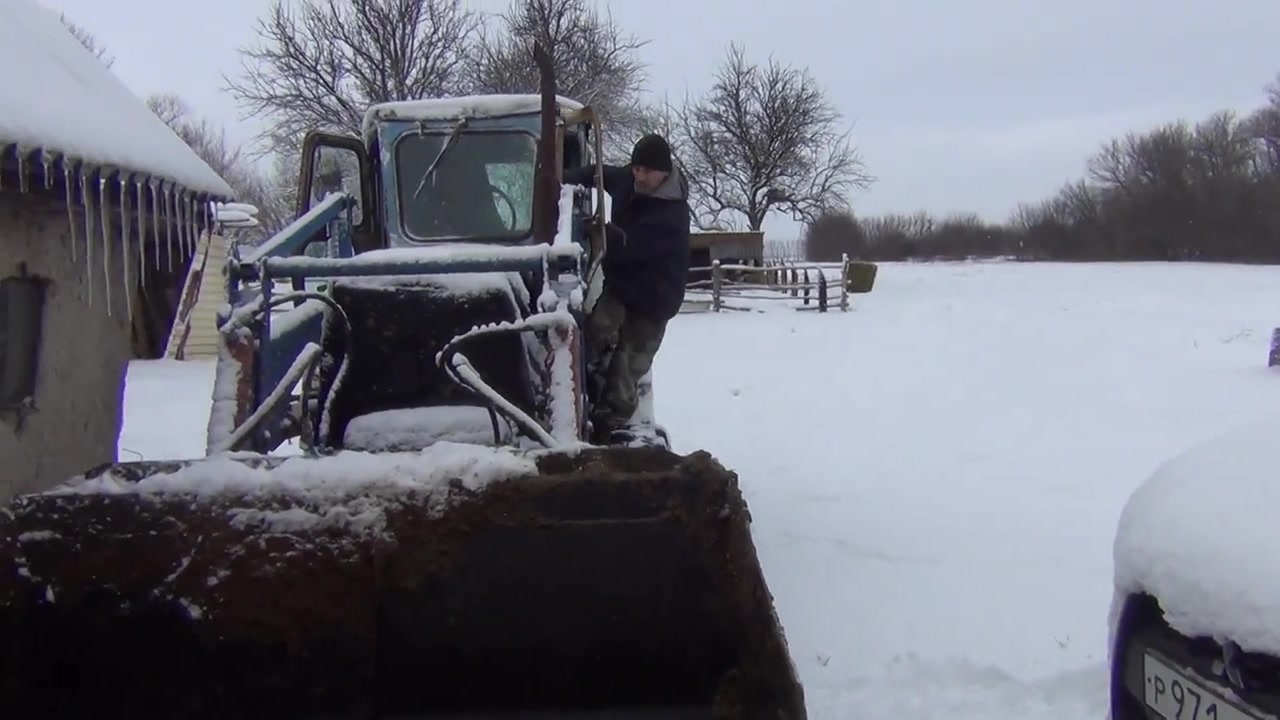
612	233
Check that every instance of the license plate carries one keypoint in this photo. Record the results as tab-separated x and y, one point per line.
1178	696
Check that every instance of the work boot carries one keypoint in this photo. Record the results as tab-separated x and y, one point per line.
627	436
601	432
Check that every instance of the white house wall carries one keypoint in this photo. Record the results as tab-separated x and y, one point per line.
83	356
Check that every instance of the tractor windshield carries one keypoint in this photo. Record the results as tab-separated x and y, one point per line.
482	186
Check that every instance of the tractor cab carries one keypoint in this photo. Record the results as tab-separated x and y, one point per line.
447	170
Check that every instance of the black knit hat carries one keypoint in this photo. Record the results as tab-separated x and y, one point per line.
653	152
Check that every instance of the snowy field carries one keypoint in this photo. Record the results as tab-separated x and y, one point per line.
935	478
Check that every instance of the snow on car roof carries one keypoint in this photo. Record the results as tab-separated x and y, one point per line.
476	106
64	100
1200	536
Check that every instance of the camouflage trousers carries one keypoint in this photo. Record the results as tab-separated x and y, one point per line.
621	346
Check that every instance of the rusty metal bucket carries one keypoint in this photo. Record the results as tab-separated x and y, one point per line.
618	582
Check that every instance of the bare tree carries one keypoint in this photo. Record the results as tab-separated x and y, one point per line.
207	140
321	65
898	228
1223	150
596	63
1158	158
283	181
1264	127
210	143
831	235
87	39
766	139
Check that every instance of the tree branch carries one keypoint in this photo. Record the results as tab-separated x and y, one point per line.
765	140
320	66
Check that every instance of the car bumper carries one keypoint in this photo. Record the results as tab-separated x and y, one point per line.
1152	664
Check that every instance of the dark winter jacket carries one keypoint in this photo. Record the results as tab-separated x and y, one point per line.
647	267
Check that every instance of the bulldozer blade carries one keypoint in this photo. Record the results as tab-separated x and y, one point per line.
611	583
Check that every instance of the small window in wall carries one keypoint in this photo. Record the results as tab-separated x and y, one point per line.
21	318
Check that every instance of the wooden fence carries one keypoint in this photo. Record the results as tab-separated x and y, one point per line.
816	286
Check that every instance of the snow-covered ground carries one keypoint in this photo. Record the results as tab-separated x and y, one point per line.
935	479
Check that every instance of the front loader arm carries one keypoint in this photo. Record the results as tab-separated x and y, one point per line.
258	347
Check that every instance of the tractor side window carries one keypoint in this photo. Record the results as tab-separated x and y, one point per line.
481	188
336	169
573	155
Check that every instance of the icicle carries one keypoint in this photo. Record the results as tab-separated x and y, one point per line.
193	212
103	210
86	200
140	214
71	203
163	213
168	224
23	184
193	217
155	218
126	242
189	209
179	219
184	227
47	161
184	242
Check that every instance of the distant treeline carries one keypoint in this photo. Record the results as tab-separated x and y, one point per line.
1207	192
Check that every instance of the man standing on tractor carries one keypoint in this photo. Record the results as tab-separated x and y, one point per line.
645	268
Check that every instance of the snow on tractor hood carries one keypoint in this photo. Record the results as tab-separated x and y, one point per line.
1200	535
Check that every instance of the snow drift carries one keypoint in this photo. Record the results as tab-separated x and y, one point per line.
1198	535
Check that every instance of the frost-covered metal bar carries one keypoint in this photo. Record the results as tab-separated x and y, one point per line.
296	234
272	404
427	261
285	337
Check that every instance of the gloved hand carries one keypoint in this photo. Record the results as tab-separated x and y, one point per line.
614	234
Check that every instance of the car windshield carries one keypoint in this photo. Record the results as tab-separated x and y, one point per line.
481	188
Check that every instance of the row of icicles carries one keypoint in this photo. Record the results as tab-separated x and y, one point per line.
181	213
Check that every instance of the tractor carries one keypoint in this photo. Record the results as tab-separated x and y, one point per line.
400	514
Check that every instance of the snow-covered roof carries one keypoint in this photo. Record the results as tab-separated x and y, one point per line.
1199	535
475	106
59	98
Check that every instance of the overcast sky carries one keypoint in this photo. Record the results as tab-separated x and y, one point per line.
957	105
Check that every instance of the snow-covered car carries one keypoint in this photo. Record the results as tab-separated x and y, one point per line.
1195	620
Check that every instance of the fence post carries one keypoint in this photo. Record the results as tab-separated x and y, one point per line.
844	282
822	291
793	277
717	280
806	287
